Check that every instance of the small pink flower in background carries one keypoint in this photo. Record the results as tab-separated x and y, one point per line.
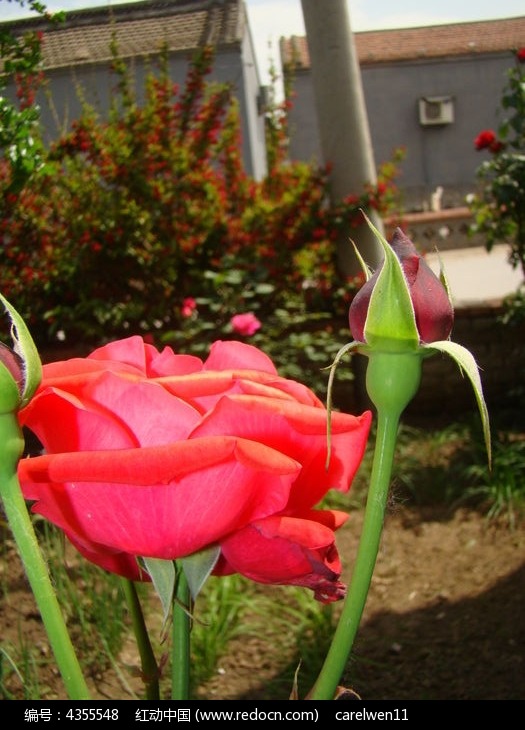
520	54
189	305
245	324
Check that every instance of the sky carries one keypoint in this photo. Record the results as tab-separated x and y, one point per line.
271	19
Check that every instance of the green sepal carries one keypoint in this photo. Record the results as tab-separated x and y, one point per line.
9	393
198	567
333	367
390	321
367	271
163	575
24	346
443	279
467	364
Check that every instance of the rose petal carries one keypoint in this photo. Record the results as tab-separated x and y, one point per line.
164	502
232	355
204	389
300	432
287	550
122	564
108	411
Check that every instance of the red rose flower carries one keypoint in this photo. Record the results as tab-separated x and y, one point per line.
488	140
520	54
160	455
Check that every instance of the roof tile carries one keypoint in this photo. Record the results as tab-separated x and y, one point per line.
437	41
140	29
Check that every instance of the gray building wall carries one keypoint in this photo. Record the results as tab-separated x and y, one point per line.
61	101
441	155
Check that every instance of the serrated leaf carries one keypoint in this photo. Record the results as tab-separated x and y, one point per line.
25	347
198	567
467	364
163	575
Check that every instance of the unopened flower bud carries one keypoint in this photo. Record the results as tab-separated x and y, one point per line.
432	309
11	379
20	367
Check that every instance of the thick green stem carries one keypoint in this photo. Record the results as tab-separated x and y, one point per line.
392	381
180	658
11	446
348	625
150	670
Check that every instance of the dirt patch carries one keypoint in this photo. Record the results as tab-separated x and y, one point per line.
444	620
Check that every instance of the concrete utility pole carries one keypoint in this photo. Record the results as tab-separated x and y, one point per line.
343	123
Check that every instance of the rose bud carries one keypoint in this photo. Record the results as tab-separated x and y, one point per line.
13	363
431	306
20	368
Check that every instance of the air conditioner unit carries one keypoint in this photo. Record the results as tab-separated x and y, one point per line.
436	110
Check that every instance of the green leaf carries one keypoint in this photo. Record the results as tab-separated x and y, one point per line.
163	575
264	288
390	321
467	364
198	567
25	347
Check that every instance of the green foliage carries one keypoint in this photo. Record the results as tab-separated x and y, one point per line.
221	613
21	150
20	146
499	208
514	307
136	214
502	490
19	665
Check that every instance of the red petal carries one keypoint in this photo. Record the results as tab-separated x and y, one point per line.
107	412
300	432
163	502
120	563
231	355
146	358
289	551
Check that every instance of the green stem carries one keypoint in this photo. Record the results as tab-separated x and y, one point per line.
180	659
348	625
12	443
150	670
392	381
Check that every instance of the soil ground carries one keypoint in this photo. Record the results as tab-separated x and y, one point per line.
444	620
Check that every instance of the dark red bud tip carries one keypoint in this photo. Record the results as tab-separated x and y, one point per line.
432	308
14	364
359	309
